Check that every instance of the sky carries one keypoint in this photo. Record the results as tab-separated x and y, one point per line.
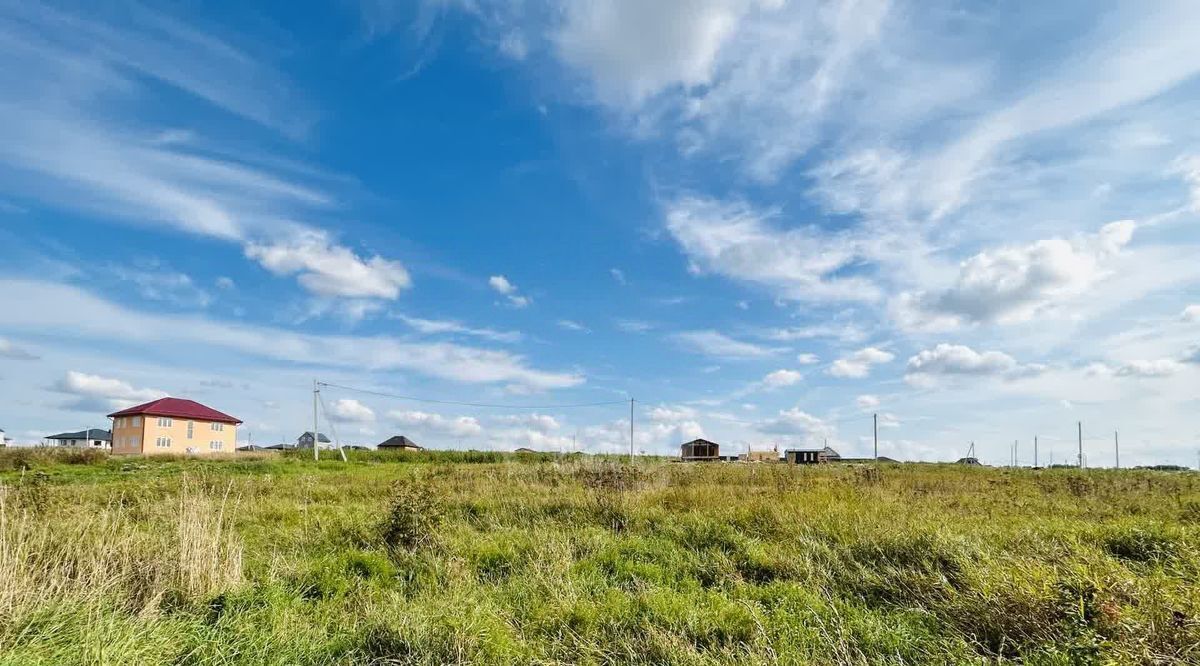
764	221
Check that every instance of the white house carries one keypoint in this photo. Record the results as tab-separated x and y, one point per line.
91	438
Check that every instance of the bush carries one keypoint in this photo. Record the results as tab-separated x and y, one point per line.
414	514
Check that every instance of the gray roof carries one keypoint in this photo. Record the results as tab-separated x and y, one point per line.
398	442
94	433
308	435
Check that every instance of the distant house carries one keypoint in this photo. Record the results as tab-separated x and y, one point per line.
305	441
699	449
3	439
766	455
811	456
524	449
173	425
969	460
90	438
400	443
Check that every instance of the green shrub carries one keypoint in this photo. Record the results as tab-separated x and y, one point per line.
413	515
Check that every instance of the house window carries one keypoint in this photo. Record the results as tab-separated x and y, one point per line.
190	424
163	442
218	427
216	445
136	440
137	421
164	422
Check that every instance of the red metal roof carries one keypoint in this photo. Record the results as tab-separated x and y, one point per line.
178	408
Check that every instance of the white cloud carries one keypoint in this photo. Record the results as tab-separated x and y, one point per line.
719	345
157	283
36	305
635	325
740	242
807	359
1015	283
618	275
1163	367
632	50
10	351
507	289
957	360
104	392
858	364
796	422
570	325
351	411
461	426
543	423
1190	314
845	333
438	326
326	269
867	402
782	378
671	414
225	283
1188	168
502	285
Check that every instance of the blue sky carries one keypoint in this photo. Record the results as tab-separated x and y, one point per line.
763	220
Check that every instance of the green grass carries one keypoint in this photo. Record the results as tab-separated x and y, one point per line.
490	559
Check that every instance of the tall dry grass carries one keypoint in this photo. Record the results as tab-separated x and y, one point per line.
108	556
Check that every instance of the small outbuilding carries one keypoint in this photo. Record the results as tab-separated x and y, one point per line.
969	460
811	456
700	449
400	443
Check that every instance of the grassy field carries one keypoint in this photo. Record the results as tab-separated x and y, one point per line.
478	558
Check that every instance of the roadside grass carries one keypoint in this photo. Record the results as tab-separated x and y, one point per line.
448	557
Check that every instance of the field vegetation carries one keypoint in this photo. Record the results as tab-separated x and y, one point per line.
489	559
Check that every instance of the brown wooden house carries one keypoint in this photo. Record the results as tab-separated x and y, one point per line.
700	449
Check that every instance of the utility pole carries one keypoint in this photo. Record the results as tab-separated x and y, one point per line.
631	431
316	437
875	427
1035	451
1117	448
1080	423
1015	444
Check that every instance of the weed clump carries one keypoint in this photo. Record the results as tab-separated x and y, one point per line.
414	513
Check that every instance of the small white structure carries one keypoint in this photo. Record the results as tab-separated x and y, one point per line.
3	439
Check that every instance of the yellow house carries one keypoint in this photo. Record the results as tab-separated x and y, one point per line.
173	425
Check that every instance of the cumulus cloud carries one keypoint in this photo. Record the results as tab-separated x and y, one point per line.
859	364
782	378
807	359
326	269
460	426
947	360
719	345
350	410
95	391
1015	283
1190	314
502	286
738	241
11	352
796	423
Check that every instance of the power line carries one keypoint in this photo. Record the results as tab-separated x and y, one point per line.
395	396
